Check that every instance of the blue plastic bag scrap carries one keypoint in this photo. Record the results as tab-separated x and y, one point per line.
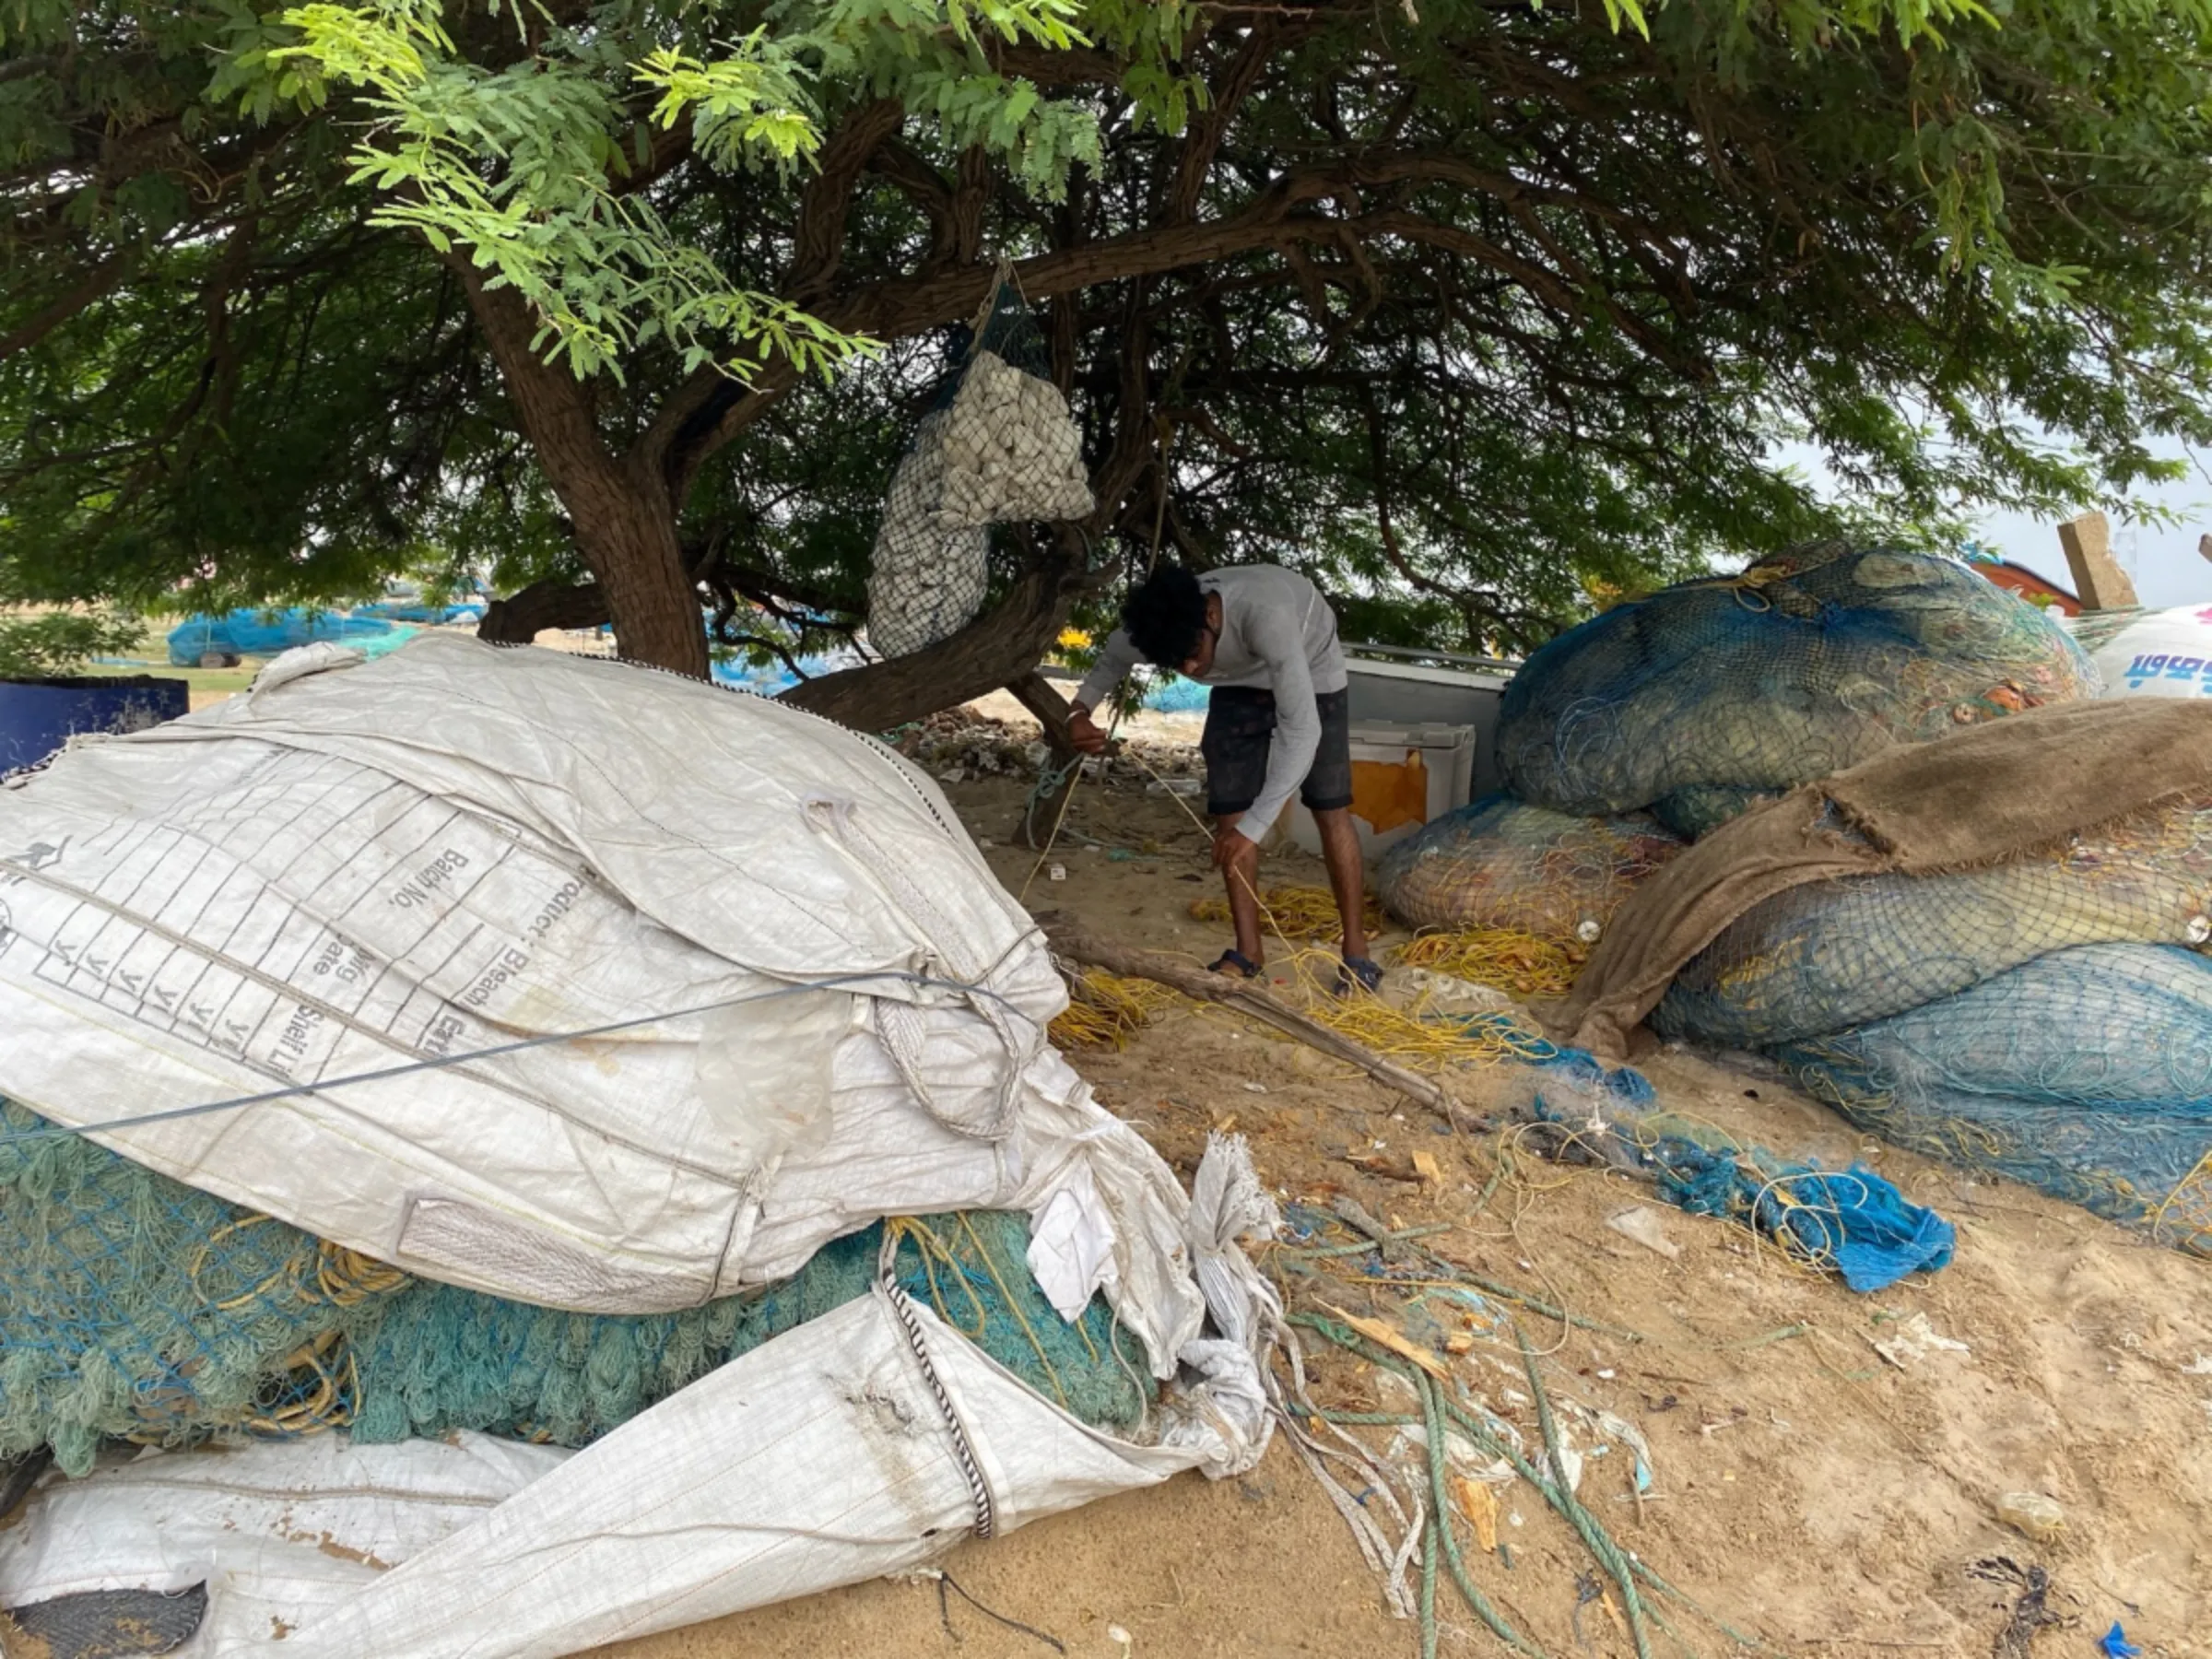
1851	1220
2115	1644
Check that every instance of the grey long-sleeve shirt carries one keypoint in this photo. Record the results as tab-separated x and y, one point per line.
1277	632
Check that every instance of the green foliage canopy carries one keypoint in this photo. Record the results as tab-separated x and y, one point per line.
1465	306
59	642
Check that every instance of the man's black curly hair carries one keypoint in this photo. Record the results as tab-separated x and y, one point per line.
1165	616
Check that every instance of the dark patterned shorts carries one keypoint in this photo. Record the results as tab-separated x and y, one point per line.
1240	731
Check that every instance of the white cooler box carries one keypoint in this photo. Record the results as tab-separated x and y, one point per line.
1402	777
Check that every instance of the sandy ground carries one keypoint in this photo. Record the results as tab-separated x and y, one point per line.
1807	1490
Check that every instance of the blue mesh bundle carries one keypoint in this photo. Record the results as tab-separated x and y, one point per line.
1499	863
250	633
1574	1071
1836	954
1178	695
135	1308
2087	1073
1703	698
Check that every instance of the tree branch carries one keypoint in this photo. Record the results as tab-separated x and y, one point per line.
97	284
971	196
1071	941
1202	138
818	245
1059	69
1005	641
553	602
709	409
909	171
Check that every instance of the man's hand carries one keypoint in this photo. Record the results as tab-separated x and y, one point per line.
1234	851
1084	734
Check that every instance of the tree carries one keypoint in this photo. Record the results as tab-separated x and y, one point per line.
1464	306
58	642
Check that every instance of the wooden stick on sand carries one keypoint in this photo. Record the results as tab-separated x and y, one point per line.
1072	942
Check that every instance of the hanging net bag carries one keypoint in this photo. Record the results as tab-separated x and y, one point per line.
998	446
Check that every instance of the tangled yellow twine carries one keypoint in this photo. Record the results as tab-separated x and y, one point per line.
1295	913
1522	963
1106	1008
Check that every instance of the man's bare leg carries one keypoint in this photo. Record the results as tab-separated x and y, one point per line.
1348	879
1243	880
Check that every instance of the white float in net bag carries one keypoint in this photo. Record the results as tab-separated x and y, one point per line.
1005	450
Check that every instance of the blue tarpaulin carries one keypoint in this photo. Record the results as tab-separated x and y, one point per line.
417	611
772	679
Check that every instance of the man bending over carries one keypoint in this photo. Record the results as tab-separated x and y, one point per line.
1279	721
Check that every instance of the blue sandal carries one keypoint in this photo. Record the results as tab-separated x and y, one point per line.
1367	974
1246	968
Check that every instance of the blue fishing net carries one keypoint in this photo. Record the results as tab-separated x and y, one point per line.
251	634
2087	1073
1706	697
1851	1222
1837	954
135	1308
435	1359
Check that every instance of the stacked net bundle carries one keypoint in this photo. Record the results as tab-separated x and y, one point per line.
1702	699
1835	954
135	1308
1501	864
1000	447
2087	1073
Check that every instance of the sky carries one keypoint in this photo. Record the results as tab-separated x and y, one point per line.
2161	560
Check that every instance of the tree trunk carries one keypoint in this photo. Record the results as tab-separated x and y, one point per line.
1002	645
621	510
626	531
